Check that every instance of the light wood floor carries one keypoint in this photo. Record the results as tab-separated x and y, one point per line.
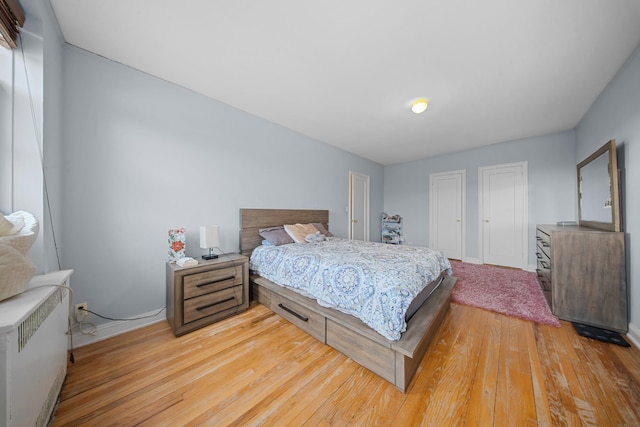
256	369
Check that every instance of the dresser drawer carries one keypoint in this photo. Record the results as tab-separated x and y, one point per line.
312	323
544	278
211	281
544	262
212	303
543	243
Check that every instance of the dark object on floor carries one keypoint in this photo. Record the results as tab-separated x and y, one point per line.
600	334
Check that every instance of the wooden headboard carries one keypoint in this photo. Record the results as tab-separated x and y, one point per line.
252	220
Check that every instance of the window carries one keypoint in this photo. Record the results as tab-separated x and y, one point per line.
11	18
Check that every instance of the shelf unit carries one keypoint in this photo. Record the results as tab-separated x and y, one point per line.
391	229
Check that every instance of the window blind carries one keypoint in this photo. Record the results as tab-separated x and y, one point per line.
11	19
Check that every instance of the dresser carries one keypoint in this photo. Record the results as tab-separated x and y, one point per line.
582	274
203	294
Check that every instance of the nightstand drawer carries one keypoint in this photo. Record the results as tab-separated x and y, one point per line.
211	281
212	303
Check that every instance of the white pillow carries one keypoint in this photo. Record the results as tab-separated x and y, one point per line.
17	218
16	271
12	224
299	231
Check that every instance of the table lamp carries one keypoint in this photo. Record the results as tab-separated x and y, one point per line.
209	239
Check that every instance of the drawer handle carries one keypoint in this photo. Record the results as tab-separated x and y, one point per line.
298	315
539	255
199	285
538	238
202	307
545	244
539	272
544	264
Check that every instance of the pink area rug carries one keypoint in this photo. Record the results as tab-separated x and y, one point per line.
512	292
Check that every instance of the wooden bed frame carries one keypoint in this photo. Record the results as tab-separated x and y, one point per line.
395	361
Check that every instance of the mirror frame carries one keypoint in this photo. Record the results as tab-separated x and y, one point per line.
614	225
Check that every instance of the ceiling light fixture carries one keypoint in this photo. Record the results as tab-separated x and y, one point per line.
419	106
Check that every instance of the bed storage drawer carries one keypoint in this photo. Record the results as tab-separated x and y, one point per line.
309	321
376	357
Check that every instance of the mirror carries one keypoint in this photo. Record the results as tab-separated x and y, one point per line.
598	202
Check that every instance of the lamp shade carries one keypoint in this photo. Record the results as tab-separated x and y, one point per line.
209	236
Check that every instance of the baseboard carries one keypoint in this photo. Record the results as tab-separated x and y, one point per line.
111	329
529	267
634	335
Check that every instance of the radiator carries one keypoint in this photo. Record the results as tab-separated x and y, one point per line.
33	350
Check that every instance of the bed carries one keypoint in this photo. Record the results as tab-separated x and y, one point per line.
395	360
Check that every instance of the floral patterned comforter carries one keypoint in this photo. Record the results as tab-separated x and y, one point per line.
373	281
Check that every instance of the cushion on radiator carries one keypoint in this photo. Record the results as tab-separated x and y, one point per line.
6	226
16	269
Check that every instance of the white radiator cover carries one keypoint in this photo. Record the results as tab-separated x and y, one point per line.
33	350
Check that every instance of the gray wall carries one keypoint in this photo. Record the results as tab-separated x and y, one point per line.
551	176
616	115
142	156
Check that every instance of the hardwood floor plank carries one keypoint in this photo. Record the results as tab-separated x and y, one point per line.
449	402
542	412
431	370
292	397
239	371
261	382
570	405
124	384
482	399
256	369
605	393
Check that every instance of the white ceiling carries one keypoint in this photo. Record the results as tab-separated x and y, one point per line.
345	72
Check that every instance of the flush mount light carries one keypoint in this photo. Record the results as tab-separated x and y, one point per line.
419	106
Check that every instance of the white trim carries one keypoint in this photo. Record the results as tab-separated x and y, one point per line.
524	262
117	327
634	335
463	207
367	221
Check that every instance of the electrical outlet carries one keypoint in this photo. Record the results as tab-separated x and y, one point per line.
81	313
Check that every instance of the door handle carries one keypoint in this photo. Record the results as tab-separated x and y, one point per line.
354	220
486	220
458	220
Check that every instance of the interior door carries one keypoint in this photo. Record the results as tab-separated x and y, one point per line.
358	206
503	211
446	213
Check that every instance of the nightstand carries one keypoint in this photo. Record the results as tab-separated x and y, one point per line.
206	293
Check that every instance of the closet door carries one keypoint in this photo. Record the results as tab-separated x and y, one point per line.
503	212
446	213
358	206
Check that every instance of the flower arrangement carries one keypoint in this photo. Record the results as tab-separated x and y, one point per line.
177	243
